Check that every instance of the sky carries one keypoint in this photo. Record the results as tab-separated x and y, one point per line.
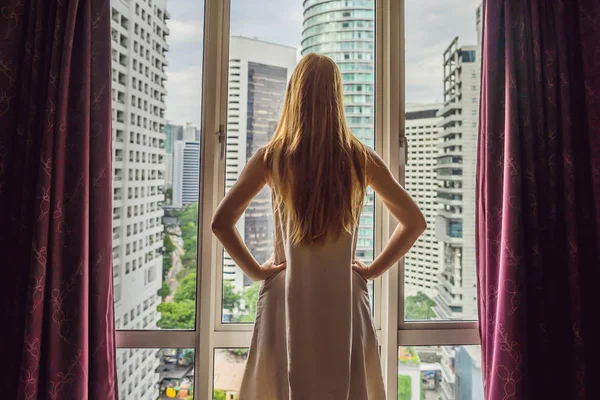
430	27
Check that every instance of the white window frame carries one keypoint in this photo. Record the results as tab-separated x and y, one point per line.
210	332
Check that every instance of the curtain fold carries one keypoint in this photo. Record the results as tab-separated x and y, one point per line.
538	200
55	200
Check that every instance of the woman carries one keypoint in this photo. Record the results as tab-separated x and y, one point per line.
313	335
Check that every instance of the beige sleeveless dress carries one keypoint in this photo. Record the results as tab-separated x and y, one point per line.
314	337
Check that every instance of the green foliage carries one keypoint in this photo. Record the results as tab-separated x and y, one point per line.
168	243
231	299
250	297
164	291
183	273
408	355
188	357
404	387
189	214
177	315
187	288
219	395
240	352
419	307
190	258
167	265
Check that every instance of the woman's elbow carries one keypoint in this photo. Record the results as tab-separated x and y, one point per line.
420	224
218	224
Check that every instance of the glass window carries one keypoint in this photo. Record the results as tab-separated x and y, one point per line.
155	232
156	373
441	128
440	372
229	365
265	53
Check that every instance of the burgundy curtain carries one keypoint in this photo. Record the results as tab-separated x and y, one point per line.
55	200
538	207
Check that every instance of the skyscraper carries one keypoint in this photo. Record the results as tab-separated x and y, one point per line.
455	167
455	223
139	48
258	76
172	134
344	31
422	262
186	173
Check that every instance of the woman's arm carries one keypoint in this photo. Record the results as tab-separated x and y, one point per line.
251	181
411	222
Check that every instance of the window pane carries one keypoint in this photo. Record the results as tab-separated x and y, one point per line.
148	374
229	365
434	372
442	95
267	40
156	159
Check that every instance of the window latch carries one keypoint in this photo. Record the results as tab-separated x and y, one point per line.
404	144
222	136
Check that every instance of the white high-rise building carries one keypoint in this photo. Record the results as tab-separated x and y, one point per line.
455	223
186	173
422	262
139	48
456	162
258	76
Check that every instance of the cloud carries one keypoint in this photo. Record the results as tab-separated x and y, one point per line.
430	27
185	32
184	95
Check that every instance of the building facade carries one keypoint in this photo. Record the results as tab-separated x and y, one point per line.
186	173
455	223
421	264
258	76
455	167
345	32
139	47
172	134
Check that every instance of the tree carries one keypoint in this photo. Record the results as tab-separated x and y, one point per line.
187	288
250	297
168	243
404	388
190	258
188	357
219	395
181	313
167	265
231	299
419	307
177	315
164	291
169	195
189	214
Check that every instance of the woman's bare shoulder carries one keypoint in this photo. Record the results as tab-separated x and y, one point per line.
259	159
375	164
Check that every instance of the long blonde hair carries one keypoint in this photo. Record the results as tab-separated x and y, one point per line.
317	166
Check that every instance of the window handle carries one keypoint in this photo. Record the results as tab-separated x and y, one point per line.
222	136
404	143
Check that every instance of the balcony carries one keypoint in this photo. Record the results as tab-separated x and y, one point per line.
452	119
449	106
442	144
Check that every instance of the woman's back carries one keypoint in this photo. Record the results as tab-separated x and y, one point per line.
313	337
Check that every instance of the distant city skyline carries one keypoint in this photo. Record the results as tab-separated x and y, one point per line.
281	23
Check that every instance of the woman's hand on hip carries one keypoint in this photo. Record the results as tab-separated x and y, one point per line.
362	269
269	268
